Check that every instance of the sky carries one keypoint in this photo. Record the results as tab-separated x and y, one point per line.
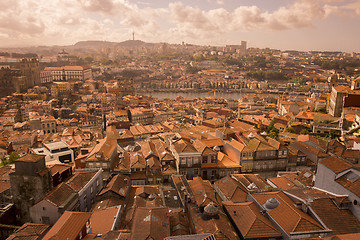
325	25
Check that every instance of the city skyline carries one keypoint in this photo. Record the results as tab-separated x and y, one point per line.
298	25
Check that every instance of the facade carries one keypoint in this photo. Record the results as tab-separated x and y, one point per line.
143	116
56	151
29	183
30	68
257	154
46	77
49	209
103	156
67	73
342	97
188	159
87	184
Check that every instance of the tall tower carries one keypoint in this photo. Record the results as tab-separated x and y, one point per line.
30	68
133	35
29	183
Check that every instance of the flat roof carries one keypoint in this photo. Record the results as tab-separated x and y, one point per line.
56	145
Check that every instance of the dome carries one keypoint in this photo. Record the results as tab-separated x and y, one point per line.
271	203
251	135
211	209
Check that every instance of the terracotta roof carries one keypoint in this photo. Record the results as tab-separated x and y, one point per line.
202	191
4	185
60	168
213	142
250	222
105	147
29	231
30	158
344	222
109	202
59	195
184	146
290	218
282	182
79	180
326	205
103	220
231	189
251	181
68	226
353	185
151	223
335	164
119	184
224	161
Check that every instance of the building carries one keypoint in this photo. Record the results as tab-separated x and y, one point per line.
292	222
58	151
340	177
50	208
103	155
257	153
46	77
29	183
150	223
249	222
70	226
144	116
188	159
11	80
29	231
30	68
87	184
67	73
343	97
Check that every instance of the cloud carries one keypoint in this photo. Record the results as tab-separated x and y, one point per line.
246	18
71	20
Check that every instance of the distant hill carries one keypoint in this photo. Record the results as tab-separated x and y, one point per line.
131	43
94	44
97	44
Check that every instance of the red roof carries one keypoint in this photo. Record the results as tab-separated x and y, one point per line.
69	225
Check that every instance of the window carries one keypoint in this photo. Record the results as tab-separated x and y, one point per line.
44	208
213	172
204	160
213	159
196	171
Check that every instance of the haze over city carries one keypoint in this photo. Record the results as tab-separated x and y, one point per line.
299	25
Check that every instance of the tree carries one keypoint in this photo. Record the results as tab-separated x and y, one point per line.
290	130
304	132
12	157
89	59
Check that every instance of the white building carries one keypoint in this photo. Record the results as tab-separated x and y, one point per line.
66	73
56	151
